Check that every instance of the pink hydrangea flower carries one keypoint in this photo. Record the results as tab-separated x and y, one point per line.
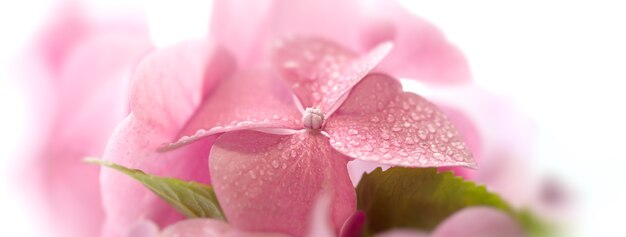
78	72
282	142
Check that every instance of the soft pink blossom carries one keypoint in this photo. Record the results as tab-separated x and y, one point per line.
270	161
469	222
78	72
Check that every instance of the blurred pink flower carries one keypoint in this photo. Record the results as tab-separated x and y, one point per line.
79	72
469	222
197	89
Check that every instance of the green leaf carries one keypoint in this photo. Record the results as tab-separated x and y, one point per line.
192	199
417	198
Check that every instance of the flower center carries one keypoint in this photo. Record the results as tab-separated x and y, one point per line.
313	118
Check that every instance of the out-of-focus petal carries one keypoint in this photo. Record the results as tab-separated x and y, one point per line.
209	228
479	222
421	52
168	86
353	227
379	122
472	137
249	100
321	224
268	182
70	25
320	72
69	185
78	71
144	228
469	222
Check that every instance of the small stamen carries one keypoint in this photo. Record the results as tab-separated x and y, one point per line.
313	118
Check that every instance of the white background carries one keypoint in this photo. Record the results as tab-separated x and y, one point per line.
562	62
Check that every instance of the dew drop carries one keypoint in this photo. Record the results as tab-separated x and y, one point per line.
380	105
431	127
284	166
275	164
409	141
438	156
375	119
390	118
396	129
353	132
385	136
422	133
423	160
316	96
293	153
252	175
244	123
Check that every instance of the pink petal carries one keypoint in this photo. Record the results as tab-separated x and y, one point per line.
209	228
321	224
479	222
144	228
320	72
79	76
472	137
168	86
378	122
268	182
71	187
70	25
469	222
354	225
421	52
248	100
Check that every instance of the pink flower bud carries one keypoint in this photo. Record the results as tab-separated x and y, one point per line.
313	118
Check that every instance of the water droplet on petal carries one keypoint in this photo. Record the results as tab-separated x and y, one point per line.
422	133
385	136
390	118
353	132
275	164
367	148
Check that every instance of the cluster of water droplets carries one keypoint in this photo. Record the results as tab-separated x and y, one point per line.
315	68
407	130
289	156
